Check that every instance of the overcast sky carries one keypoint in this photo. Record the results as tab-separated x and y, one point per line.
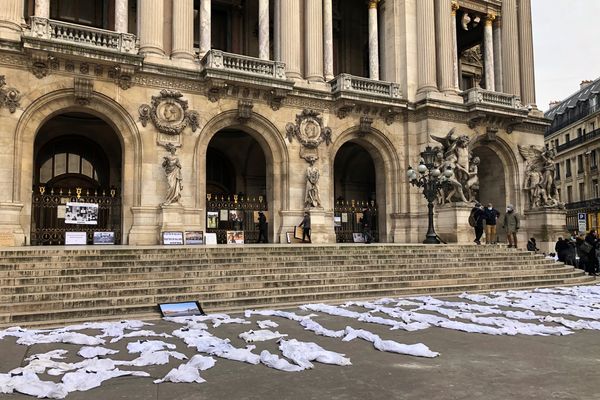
566	39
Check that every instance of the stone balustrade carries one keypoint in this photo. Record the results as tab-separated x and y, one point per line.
358	85
488	97
216	59
67	33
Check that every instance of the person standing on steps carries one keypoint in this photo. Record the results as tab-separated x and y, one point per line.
262	228
367	221
476	219
511	225
491	218
305	225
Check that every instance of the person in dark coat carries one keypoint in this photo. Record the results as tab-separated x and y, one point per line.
562	249
491	218
592	260
305	224
479	216
583	257
367	225
262	228
532	245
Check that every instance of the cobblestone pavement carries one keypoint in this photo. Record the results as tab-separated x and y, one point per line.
470	366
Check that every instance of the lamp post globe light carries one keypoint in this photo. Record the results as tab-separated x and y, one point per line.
429	177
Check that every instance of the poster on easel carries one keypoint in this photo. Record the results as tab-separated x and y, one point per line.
235	237
172	238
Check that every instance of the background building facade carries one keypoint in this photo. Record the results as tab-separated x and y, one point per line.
253	96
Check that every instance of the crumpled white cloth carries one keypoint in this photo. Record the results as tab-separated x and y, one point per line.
417	350
267	323
146	346
189	372
261	335
83	380
91	352
160	357
143	333
276	362
318	329
29	383
29	338
302	353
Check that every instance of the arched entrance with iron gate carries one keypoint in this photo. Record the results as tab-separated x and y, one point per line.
77	159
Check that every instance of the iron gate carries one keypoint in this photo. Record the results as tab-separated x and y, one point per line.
234	213
47	213
348	216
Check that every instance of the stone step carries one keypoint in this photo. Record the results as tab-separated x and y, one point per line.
149	310
264	273
118	296
294	279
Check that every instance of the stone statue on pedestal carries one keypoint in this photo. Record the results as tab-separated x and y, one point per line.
539	177
312	198
172	169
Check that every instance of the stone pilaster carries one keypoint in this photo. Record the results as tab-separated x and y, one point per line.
526	54
121	16
510	48
454	7
151	27
183	30
313	30
11	17
277	30
290	37
263	29
426	60
445	45
328	39
373	41
205	27
488	52
42	8
497	38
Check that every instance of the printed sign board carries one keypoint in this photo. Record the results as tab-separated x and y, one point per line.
582	222
172	237
78	238
104	238
81	213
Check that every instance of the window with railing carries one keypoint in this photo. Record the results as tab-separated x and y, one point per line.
568	168
93	13
593	159
595	188
557	177
581	191
569	194
580	163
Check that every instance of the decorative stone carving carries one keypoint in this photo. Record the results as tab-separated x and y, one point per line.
245	110
39	64
169	113
123	75
276	97
309	129
365	125
83	89
390	114
344	109
539	177
84	68
454	154
312	199
9	97
172	168
216	89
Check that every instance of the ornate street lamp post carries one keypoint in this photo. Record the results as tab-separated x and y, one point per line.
432	180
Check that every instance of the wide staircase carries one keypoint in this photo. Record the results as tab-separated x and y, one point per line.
53	286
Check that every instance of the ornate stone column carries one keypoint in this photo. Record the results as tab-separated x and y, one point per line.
121	16
277	30
497	37
510	48
11	17
290	37
313	30
151	26
454	7
183	30
526	54
42	8
488	52
263	29
205	28
373	41
445	45
328	39
426	63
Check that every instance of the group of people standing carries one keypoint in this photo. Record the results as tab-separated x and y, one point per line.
582	251
489	215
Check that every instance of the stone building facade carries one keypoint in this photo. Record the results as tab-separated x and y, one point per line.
575	135
245	96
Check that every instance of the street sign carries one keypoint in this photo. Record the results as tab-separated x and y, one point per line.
582	222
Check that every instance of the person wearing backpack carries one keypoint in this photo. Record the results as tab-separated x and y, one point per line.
476	221
511	225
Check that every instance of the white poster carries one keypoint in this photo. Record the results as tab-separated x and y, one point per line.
172	237
81	213
75	238
210	238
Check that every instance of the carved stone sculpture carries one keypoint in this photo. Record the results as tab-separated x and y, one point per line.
539	177
312	198
172	169
9	97
310	132
169	113
454	154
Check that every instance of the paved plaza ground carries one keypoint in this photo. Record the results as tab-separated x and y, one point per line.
470	366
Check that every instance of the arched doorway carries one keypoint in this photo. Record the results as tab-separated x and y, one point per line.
77	159
492	182
236	185
355	187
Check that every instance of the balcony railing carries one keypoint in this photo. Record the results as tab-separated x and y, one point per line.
216	59
579	140
64	32
487	97
359	85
